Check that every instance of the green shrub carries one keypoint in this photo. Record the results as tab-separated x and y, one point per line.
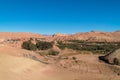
116	61
29	45
74	58
41	45
95	47
61	45
53	52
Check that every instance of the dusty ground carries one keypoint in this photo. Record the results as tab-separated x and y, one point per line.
18	64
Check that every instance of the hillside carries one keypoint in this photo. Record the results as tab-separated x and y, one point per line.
111	56
89	36
21	68
6	35
86	36
69	64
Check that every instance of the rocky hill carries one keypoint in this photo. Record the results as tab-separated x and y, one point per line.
112	56
93	36
7	35
89	36
98	36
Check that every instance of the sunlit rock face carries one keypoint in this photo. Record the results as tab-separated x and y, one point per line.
112	56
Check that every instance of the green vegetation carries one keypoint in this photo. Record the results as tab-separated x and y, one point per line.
95	47
61	45
41	45
48	52
74	58
29	45
53	52
116	61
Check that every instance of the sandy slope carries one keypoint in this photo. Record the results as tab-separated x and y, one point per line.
20	68
88	68
15	67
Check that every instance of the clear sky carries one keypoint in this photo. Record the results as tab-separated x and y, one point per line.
64	16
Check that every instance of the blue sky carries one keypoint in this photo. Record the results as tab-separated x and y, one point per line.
64	16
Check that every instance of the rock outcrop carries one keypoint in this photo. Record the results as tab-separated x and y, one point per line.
112	56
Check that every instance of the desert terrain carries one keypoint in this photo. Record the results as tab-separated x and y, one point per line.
20	64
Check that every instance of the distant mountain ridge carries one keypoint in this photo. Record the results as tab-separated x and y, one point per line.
18	35
92	36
